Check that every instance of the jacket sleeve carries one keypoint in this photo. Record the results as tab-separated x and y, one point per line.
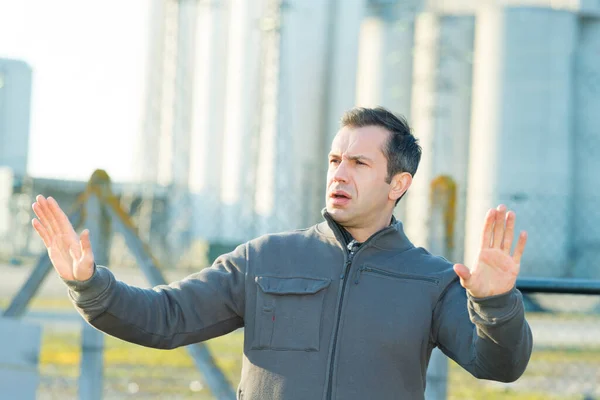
489	337
202	306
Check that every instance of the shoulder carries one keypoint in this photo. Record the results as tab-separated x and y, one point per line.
427	260
432	264
286	238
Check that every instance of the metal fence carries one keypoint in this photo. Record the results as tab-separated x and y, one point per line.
242	100
564	315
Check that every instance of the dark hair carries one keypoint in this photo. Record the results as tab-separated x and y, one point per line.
402	149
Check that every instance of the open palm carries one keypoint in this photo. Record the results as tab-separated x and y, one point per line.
496	270
70	254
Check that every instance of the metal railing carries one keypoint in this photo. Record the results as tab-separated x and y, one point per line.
558	286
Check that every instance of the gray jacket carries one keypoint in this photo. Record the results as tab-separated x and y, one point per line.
321	321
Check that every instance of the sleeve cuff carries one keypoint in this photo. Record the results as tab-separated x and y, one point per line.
495	309
82	291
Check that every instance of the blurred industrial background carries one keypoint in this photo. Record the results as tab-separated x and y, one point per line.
239	102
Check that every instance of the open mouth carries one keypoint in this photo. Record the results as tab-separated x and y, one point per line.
340	195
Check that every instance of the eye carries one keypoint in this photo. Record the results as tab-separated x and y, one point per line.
360	162
334	161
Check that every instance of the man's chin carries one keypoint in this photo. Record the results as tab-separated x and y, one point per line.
338	214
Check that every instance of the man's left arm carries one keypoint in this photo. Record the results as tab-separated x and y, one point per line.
482	324
489	336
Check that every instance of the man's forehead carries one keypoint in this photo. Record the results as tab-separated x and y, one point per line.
359	140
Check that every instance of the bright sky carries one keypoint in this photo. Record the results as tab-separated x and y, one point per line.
88	60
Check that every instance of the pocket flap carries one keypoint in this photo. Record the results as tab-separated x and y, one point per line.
277	285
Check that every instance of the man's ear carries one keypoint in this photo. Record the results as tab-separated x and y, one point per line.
399	185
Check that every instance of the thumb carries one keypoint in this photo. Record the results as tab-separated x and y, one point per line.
463	273
84	268
86	245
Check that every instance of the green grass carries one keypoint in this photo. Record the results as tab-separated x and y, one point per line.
544	367
47	303
170	372
156	372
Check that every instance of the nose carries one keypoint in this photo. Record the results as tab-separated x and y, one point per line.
340	174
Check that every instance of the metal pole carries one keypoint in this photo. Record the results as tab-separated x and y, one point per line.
91	375
205	363
441	241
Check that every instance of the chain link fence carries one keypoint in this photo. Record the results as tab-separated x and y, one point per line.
235	130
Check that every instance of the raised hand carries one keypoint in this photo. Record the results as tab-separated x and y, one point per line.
496	269
70	254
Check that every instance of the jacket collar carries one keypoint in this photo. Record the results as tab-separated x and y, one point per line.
393	237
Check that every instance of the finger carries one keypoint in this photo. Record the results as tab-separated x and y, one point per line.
520	247
486	237
499	226
42	217
509	233
463	273
60	217
86	244
50	221
42	232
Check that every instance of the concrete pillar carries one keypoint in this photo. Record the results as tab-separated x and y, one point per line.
180	208
585	238
241	119
520	132
187	15
371	54
384	76
292	102
441	113
6	192
209	113
423	116
266	158
309	80
341	66
454	122
154	151
345	17
15	107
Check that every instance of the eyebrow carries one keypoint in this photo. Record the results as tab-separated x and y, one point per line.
358	157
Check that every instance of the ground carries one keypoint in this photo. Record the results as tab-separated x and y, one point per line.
565	363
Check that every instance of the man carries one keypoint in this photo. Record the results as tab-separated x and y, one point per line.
347	309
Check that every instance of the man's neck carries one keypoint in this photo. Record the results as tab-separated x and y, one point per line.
361	235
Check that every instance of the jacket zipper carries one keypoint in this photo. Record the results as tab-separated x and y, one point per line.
393	275
351	247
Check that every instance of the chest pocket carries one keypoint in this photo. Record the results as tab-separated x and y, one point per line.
288	313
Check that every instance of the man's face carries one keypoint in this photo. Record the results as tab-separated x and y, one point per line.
357	192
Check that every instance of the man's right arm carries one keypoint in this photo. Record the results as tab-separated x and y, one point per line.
202	306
